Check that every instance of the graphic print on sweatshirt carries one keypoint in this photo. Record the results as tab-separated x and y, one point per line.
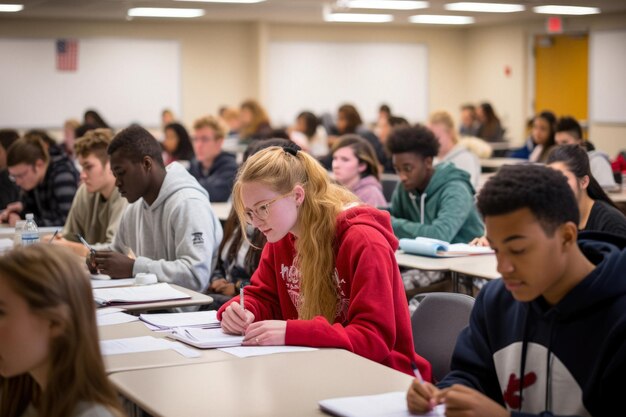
197	238
565	394
291	276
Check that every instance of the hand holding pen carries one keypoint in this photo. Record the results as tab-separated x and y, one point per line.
91	259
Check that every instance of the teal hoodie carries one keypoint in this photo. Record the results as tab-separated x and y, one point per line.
445	210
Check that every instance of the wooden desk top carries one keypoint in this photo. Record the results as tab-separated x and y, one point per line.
148	360
288	384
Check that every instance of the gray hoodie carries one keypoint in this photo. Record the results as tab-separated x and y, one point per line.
177	237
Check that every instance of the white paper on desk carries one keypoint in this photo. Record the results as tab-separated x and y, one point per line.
392	404
144	344
143	294
124	282
200	319
205	338
109	310
247	351
115	318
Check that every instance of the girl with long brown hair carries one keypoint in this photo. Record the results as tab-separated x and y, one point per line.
328	275
50	362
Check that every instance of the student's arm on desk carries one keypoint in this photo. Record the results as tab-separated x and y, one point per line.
192	266
370	323
455	206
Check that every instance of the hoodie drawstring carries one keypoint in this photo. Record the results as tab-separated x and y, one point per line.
523	359
422	201
548	400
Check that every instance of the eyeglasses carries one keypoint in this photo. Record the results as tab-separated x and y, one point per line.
16	177
262	212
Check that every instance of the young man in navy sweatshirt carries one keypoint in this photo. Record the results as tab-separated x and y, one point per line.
549	338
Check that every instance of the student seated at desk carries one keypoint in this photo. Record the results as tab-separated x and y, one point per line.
328	275
542	134
569	132
356	167
239	255
214	169
50	362
450	150
177	145
597	211
48	181
169	225
435	202
98	206
549	338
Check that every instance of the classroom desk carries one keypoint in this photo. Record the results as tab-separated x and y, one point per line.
7	232
222	210
496	163
480	266
277	385
197	299
148	360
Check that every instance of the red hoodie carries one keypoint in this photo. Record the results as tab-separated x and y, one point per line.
373	319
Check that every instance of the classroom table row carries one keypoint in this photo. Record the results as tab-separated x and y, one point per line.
476	266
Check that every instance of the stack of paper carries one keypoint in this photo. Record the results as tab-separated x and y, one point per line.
439	249
248	351
392	404
205	338
197	319
124	282
143	294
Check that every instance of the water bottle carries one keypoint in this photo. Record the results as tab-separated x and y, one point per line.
30	232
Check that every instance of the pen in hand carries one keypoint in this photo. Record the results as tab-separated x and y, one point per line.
417	373
54	235
241	303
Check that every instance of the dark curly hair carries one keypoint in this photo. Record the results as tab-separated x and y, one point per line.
544	191
417	139
135	142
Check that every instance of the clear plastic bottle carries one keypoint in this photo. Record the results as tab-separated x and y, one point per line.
30	232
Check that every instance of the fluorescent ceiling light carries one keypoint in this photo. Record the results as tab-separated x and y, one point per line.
387	4
358	18
433	19
9	8
485	7
164	12
571	10
225	1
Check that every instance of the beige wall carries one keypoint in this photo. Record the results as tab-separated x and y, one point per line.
218	60
224	63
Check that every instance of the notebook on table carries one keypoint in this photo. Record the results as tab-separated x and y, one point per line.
205	338
198	319
425	246
132	295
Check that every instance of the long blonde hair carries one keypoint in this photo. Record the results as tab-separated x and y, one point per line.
282	171
55	285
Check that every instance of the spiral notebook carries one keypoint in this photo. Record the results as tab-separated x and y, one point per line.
391	404
205	338
425	246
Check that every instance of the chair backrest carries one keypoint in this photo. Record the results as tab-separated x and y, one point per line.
436	324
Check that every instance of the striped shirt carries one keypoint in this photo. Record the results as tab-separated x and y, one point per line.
51	200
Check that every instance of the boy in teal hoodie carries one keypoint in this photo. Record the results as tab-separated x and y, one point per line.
435	202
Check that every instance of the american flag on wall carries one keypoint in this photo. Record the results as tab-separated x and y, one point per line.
67	54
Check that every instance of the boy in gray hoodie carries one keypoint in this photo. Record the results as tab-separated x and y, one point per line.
169	225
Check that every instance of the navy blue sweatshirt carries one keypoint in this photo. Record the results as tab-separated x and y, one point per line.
219	180
572	356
